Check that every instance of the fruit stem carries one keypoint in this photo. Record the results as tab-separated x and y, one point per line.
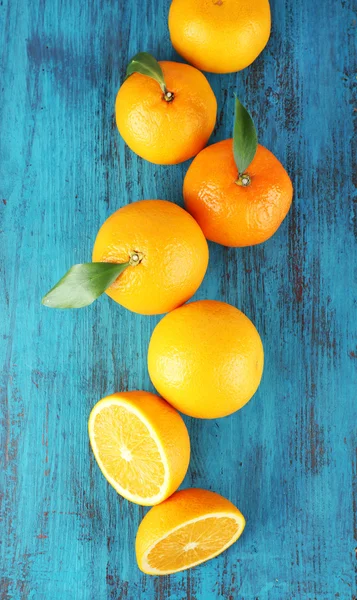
243	180
168	96
135	258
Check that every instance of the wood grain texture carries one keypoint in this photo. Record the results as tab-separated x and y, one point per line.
289	458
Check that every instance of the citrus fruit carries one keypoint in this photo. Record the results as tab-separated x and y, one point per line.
141	445
237	190
166	127
172	251
206	359
231	214
149	256
189	528
220	36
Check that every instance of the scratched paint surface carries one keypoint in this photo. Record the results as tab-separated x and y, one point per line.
288	459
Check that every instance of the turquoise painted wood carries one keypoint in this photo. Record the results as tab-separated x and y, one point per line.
288	459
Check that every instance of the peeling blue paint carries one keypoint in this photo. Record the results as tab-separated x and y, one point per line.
289	458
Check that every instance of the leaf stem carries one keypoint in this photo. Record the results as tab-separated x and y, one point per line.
168	96
147	65
244	180
135	258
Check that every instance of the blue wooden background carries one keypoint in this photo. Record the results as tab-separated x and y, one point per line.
288	459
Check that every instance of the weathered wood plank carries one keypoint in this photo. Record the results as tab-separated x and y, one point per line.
288	459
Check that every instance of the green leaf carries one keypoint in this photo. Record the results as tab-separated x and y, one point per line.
245	139
83	284
146	64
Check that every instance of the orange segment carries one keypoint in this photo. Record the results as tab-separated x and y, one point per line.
141	445
193	543
128	453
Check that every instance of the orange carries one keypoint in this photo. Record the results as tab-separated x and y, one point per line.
220	36
141	445
206	359
172	251
161	131
189	528
232	214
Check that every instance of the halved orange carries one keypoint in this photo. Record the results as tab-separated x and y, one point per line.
141	445
192	526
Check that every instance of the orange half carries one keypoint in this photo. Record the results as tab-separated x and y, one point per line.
141	445
171	539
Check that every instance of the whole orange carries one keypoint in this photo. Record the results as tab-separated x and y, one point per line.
172	252
206	359
166	131
220	36
228	212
